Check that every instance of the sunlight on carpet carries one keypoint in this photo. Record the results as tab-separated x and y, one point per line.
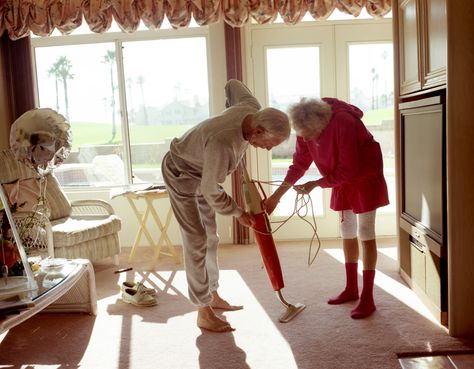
390	252
166	336
145	325
398	290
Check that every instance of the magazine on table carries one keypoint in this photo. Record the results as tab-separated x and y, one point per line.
141	187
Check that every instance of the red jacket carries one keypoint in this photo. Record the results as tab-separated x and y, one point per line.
348	158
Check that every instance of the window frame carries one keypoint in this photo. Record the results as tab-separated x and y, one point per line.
215	50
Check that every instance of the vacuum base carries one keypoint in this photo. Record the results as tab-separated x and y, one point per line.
291	312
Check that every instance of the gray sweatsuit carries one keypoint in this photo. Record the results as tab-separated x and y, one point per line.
194	169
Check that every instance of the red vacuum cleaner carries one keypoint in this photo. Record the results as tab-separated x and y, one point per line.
266	244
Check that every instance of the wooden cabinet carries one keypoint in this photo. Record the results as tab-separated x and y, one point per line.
423	242
422	26
423	265
458	159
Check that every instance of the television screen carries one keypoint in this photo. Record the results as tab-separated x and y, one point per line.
422	168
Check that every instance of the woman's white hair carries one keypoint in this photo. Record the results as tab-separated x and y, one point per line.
310	114
275	123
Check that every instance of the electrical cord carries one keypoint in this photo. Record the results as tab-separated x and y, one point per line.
301	210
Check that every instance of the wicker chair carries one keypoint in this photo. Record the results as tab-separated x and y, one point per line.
86	229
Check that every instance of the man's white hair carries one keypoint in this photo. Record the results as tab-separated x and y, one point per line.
275	123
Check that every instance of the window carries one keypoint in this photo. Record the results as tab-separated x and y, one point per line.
284	89
125	96
371	89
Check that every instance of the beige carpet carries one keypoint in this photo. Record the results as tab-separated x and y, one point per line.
166	337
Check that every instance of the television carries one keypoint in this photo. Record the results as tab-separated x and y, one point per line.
423	174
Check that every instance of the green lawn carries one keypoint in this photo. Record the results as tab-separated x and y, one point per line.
373	117
101	134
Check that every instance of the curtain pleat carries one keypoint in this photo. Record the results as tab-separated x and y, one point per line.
66	16
263	11
206	11
20	17
351	7
321	9
292	11
98	15
178	13
236	12
152	12
378	8
126	15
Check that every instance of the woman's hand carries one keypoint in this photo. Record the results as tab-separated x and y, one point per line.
270	203
306	188
246	219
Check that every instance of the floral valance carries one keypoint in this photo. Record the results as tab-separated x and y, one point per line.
20	17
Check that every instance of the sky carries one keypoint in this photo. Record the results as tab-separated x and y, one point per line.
89	90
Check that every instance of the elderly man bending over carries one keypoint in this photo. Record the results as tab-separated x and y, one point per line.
193	169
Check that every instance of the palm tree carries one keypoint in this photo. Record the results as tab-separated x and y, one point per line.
140	82
384	58
61	70
130	99
375	78
109	58
53	72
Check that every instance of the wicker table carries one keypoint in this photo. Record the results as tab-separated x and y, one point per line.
69	287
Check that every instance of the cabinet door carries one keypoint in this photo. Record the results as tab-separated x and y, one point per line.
410	80
434	26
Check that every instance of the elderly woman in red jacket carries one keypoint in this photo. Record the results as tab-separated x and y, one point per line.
330	133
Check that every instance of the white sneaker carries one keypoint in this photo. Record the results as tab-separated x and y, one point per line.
138	286
138	298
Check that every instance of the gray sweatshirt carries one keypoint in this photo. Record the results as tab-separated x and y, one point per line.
211	150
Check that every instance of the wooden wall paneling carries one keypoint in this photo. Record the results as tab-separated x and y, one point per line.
460	159
434	43
409	46
396	71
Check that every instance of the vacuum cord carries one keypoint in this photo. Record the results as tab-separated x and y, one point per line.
301	210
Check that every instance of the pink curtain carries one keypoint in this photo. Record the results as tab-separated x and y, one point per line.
19	79
20	17
241	234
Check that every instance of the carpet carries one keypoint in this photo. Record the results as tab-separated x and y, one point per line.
166	336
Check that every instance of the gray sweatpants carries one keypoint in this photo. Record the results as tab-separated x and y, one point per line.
197	223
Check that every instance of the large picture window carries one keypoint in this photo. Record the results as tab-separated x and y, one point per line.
125	99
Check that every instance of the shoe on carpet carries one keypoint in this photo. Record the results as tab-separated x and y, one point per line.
138	297
139	287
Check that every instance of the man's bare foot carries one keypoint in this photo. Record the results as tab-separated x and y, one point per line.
219	303
207	319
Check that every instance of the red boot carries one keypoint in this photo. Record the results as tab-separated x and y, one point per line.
351	292
366	304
